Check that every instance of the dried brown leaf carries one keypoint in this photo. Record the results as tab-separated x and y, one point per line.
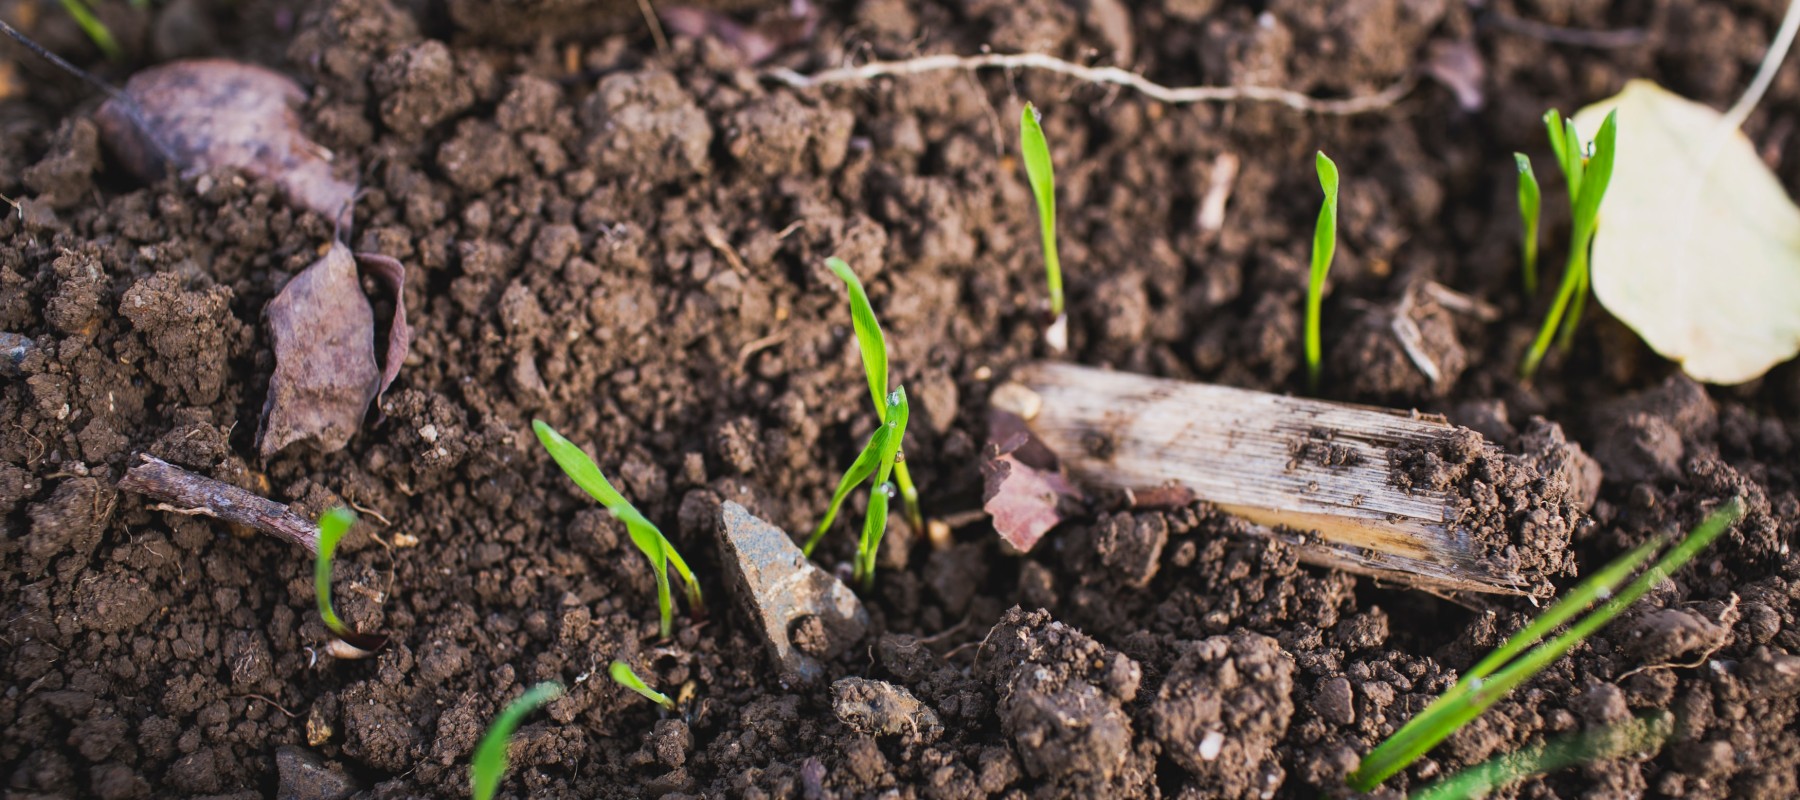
323	331
194	116
392	273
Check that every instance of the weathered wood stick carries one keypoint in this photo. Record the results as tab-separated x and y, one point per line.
1396	495
187	493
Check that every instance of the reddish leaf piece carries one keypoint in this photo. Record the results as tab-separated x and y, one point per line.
392	273
209	113
755	42
324	341
1023	484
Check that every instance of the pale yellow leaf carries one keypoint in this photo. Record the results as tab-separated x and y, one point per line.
1698	247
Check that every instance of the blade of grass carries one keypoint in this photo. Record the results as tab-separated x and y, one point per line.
1414	738
491	757
623	675
873	345
859	471
1473	696
644	534
1530	206
1588	184
94	28
332	527
1506	769
1323	250
868	333
1042	174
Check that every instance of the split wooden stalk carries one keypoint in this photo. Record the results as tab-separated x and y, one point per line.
1328	478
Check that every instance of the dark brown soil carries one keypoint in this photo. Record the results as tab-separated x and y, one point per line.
630	243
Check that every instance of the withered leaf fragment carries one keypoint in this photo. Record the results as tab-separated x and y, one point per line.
1023	483
323	332
209	113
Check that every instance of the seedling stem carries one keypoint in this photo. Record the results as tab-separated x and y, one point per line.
1530	204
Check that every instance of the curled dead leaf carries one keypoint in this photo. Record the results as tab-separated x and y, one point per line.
193	116
323	332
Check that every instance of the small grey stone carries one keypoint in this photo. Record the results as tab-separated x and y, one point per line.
305	777
778	585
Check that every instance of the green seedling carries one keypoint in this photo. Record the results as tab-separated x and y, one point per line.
1509	666
873	347
1036	152
1647	733
623	676
1587	175
648	538
1323	250
332	528
490	761
1530	202
95	29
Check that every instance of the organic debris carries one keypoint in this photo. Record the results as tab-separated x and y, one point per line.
193	116
1699	246
1023	483
755	42
323	333
183	492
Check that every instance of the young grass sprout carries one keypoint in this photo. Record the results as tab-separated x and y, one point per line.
622	675
1511	665
1644	734
1036	152
648	538
882	455
1323	249
1530	202
490	761
1587	174
332	528
96	30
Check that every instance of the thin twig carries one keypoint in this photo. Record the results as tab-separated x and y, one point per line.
1578	37
278	706
183	492
1102	75
655	25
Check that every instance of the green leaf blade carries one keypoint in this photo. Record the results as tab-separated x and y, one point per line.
1035	150
1324	249
865	465
869	339
644	534
1530	211
491	758
623	675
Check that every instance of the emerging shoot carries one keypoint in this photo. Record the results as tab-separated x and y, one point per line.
1501	672
1036	152
623	676
95	29
1323	249
1530	202
648	538
490	761
1587	175
873	347
1646	733
332	528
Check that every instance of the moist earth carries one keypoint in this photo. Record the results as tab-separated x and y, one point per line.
628	242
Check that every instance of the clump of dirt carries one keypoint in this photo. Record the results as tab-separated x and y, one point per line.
1223	707
1522	508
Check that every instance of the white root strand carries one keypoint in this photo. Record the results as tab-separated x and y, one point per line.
1101	75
